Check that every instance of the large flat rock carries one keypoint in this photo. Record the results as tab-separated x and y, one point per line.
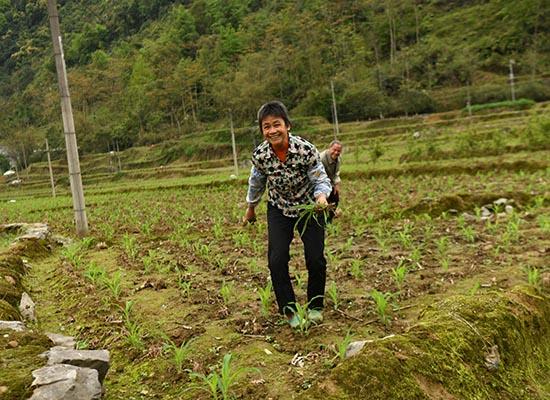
95	359
66	382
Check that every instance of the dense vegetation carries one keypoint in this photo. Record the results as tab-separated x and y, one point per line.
142	71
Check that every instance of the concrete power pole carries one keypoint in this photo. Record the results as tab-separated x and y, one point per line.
334	112
68	124
50	168
512	88
235	165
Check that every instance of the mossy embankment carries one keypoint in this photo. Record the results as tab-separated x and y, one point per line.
19	351
487	346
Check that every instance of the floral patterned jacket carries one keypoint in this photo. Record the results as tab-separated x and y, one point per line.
292	183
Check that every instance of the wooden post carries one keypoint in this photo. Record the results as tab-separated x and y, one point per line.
50	168
68	124
118	156
235	165
334	112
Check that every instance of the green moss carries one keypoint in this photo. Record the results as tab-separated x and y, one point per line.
8	312
445	352
464	202
17	363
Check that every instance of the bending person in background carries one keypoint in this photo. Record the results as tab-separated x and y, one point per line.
294	174
331	161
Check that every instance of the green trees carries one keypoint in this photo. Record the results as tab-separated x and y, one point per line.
142	71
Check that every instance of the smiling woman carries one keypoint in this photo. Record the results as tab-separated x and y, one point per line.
291	168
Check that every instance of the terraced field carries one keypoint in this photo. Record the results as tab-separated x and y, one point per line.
452	222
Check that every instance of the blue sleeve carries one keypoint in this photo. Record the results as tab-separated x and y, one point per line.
318	176
256	186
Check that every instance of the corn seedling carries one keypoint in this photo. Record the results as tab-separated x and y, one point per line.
184	286
300	279
347	246
130	246
226	292
113	283
382	241
178	354
416	255
217	230
95	273
265	294
474	289
309	213
332	292
381	301
533	277
342	346
219	385
444	262
442	246
72	253
469	233
134	335
356	269
544	223
399	274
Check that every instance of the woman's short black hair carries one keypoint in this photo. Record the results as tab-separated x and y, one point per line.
275	109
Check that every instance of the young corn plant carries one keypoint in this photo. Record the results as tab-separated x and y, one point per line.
226	292
114	284
309	213
342	346
178	354
382	241
265	294
184	287
533	277
129	243
332	292
220	385
469	233
95	273
300	279
399	274
134	331
356	269
381	301
73	254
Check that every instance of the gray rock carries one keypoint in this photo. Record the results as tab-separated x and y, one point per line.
355	347
96	359
17	326
509	209
469	217
485	212
66	382
62	341
501	202
26	307
35	231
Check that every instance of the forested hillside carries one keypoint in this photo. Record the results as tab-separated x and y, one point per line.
141	71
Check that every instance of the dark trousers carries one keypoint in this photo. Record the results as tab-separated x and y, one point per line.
333	200
280	234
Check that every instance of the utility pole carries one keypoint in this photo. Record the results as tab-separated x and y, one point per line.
118	156
235	166
469	101
50	168
512	88
68	123
334	112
